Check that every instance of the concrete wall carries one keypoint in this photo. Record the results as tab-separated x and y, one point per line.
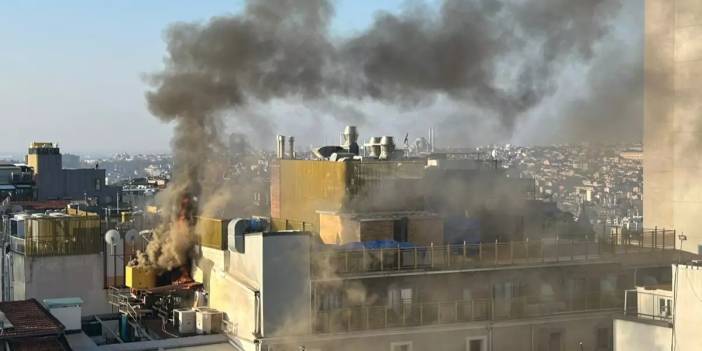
286	294
61	276
673	117
529	335
638	335
232	278
49	178
275	264
84	181
688	307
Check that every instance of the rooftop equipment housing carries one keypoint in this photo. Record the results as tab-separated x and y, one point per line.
208	321
185	320
351	139
387	147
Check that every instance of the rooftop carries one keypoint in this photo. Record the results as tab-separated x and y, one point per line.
29	318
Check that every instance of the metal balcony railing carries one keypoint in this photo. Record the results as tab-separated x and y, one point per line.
648	305
57	246
484	255
435	313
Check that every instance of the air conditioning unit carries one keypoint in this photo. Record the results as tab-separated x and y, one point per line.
185	320
208	321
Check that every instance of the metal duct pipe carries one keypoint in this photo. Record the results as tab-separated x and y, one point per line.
280	152
387	147
351	140
240	226
374	147
291	152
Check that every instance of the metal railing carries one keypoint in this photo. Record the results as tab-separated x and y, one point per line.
360	318
648	305
57	246
483	255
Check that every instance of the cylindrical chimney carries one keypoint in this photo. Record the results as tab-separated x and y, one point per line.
351	139
350	135
387	147
291	152
281	147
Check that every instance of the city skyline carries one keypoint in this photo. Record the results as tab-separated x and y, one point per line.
58	56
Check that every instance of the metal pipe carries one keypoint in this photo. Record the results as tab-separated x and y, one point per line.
291	152
280	152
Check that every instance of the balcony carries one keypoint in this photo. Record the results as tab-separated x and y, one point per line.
335	262
57	236
653	305
57	246
402	315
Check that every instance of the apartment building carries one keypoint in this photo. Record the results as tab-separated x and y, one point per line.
55	255
366	254
662	317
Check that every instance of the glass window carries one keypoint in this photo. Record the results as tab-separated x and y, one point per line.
664	307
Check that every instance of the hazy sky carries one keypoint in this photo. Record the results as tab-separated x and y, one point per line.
71	72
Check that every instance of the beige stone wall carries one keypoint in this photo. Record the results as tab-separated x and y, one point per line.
673	117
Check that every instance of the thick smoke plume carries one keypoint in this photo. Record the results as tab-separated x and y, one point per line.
498	57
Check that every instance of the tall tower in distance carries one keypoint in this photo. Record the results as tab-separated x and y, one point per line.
673	118
45	159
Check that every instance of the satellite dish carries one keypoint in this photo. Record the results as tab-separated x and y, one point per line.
112	237
131	235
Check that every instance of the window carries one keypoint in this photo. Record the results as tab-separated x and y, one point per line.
401	346
97	184
399	227
399	296
664	307
476	343
406	296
